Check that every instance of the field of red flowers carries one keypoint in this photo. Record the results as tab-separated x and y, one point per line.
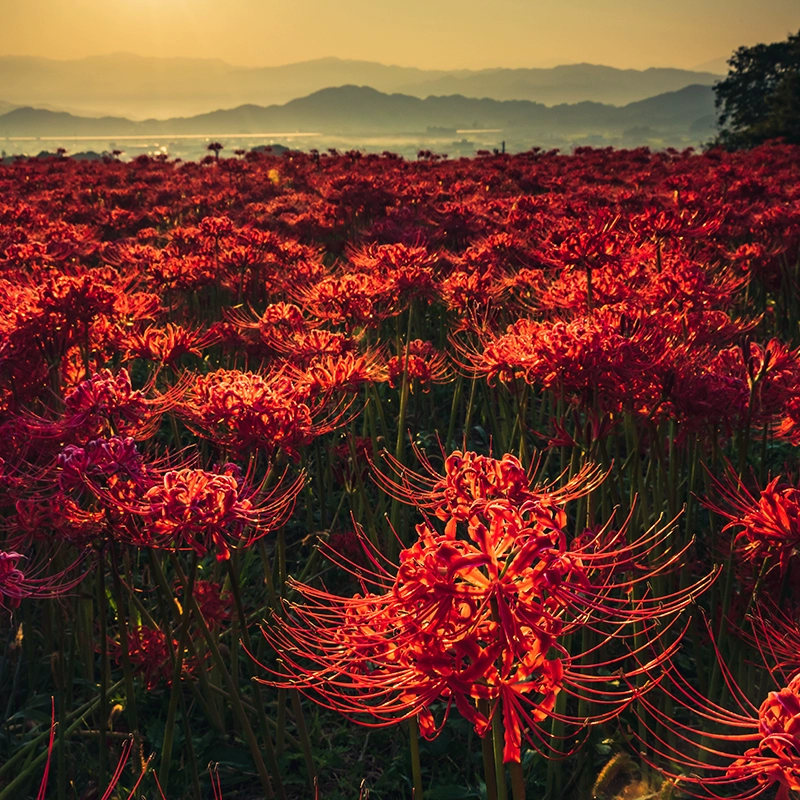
354	475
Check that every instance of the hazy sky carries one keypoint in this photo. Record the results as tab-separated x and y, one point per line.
444	34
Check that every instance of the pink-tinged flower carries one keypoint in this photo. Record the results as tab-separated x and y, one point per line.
105	404
16	586
101	462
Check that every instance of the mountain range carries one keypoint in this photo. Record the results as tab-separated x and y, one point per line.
137	87
682	117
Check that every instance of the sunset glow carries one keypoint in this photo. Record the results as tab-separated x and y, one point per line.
442	35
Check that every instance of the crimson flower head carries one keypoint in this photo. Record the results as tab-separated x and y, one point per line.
194	509
166	345
197	509
768	524
245	410
100	461
476	614
471	480
423	363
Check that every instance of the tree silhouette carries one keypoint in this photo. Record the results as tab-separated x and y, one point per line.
760	97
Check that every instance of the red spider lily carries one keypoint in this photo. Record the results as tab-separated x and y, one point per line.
594	246
106	404
303	348
771	372
769	524
348	373
166	345
279	322
16	586
207	511
353	299
471	480
409	270
56	314
609	356
99	461
150	655
721	768
244	410
468	292
423	363
478	612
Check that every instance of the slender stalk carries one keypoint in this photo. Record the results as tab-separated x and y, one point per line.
416	765
236	700
177	671
497	742
103	710
517	780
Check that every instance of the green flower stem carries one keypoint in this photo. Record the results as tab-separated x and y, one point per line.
497	742
487	752
177	671
416	765
236	700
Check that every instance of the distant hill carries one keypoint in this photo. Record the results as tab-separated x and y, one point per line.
363	110
27	121
565	84
136	87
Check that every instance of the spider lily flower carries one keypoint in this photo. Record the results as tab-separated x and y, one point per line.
16	585
244	410
471	479
345	374
193	509
105	404
353	299
424	364
768	524
165	346
479	611
743	750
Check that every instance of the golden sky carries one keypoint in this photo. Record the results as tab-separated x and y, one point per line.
440	34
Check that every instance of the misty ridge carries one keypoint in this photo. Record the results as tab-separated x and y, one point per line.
137	87
108	96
